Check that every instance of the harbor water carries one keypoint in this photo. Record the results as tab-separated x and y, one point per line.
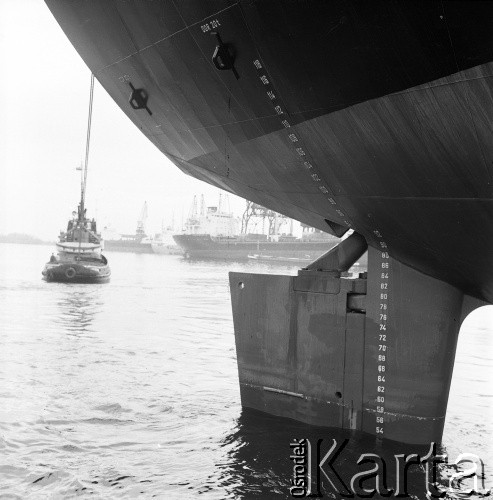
130	389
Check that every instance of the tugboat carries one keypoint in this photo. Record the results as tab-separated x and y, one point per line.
79	258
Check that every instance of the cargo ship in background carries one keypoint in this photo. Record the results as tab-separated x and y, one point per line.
139	242
214	233
370	118
163	243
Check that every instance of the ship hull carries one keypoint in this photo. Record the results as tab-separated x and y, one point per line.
205	247
127	246
76	273
370	116
165	249
312	348
344	115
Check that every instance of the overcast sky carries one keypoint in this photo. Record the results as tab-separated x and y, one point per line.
44	95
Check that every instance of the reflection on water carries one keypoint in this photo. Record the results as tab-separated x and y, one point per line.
259	461
131	388
77	309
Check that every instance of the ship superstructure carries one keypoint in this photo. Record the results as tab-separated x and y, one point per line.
211	220
215	234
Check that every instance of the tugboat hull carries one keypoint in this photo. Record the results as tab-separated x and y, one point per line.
76	273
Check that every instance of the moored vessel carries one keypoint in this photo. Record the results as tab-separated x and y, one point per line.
163	244
133	243
214	233
243	247
139	242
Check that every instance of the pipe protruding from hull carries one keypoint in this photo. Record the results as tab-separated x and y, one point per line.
342	256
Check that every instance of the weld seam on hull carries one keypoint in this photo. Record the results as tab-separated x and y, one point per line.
281	391
167	37
311	398
403	415
290	393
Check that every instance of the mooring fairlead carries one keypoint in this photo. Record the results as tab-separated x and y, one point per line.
373	353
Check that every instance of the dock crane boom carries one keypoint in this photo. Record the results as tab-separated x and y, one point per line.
142	220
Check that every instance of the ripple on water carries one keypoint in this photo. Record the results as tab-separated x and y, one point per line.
106	421
112	408
118	392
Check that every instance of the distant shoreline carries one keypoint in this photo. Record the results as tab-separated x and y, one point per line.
23	239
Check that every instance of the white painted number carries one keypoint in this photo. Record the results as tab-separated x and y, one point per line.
211	25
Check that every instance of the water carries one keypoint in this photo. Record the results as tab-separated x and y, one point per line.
131	389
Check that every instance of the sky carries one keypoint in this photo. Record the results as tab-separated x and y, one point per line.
44	98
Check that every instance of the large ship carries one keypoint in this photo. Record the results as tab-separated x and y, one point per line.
134	243
162	243
139	242
253	246
214	233
370	117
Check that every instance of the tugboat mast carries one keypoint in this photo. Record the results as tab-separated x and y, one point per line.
86	161
79	249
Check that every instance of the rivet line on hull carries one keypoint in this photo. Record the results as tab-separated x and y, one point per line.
295	141
384	261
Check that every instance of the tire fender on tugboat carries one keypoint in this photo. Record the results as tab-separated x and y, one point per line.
70	272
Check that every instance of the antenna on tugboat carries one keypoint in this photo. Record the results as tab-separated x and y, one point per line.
86	161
